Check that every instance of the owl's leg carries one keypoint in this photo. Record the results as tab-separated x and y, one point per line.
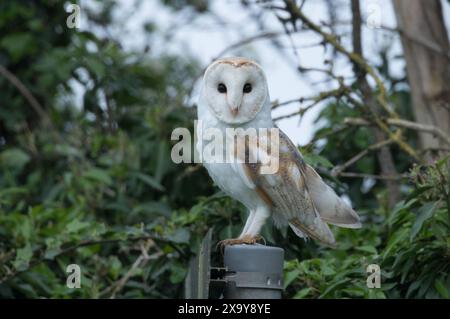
260	216
250	234
251	214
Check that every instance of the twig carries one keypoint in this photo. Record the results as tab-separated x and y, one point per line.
355	121
340	168
337	93
37	107
381	177
248	40
34	103
276	105
300	112
140	262
333	132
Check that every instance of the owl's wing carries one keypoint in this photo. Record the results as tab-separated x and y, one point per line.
298	193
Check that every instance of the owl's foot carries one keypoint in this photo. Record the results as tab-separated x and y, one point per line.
247	240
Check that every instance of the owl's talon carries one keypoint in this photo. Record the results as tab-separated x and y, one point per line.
247	240
260	238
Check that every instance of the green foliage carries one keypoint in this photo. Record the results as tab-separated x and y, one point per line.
88	188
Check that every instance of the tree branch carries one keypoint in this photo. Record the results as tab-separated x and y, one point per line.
403	123
29	97
381	177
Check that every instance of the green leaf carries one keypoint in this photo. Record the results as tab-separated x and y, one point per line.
290	277
302	293
180	236
178	272
418	191
398	236
14	158
413	287
367	249
98	230
53	247
23	257
334	286
99	175
150	181
163	161
424	213
315	160
440	287
76	225
327	270
18	44
152	208
95	65
115	267
66	150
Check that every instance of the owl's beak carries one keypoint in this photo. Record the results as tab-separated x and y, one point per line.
234	110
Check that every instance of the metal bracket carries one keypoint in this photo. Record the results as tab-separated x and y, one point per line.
250	279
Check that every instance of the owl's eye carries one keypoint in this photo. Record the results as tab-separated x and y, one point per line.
247	88
222	88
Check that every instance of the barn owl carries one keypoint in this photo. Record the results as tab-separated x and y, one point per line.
235	94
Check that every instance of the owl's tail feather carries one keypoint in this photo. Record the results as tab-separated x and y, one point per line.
332	209
318	231
298	232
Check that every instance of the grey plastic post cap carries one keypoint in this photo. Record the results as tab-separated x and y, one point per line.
254	271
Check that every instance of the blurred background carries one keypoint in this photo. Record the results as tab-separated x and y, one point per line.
90	92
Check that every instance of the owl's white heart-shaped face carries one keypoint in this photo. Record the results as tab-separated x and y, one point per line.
235	90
